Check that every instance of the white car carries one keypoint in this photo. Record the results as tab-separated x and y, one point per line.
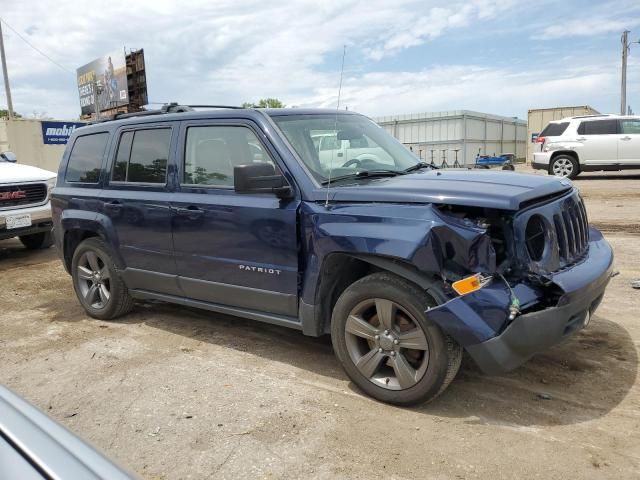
589	143
25	210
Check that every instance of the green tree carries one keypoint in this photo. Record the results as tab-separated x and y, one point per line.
4	113
265	103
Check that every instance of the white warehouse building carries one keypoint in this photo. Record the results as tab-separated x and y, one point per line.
441	136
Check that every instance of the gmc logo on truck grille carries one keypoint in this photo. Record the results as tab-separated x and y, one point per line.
17	195
22	194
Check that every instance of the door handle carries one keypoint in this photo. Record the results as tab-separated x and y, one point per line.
581	139
191	212
340	154
625	138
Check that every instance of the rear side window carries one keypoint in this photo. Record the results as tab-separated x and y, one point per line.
598	127
142	156
631	127
554	129
85	161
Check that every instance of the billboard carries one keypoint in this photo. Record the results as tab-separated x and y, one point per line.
57	133
106	76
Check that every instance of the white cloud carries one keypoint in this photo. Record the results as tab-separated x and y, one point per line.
225	51
586	27
414	30
507	91
230	51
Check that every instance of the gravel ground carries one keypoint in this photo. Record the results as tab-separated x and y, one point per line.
170	392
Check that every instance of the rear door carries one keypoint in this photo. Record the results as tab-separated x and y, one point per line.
136	199
234	249
629	142
600	141
551	133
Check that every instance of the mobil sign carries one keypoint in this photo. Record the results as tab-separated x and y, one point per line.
57	133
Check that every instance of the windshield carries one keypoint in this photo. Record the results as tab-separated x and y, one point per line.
353	144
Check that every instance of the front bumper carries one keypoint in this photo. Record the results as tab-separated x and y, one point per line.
40	221
541	160
479	320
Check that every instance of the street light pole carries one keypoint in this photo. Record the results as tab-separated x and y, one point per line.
5	74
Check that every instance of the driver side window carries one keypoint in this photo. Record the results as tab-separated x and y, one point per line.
212	153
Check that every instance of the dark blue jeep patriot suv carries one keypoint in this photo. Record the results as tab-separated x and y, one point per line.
321	221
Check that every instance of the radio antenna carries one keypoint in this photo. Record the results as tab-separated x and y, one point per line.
335	125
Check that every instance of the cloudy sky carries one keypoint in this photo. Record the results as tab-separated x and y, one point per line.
402	56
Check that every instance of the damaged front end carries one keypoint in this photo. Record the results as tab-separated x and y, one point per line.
532	278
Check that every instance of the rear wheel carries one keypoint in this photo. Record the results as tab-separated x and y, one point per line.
386	344
37	241
98	285
564	166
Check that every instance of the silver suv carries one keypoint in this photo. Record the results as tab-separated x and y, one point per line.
589	143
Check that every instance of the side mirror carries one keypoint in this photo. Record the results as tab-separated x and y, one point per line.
260	178
9	157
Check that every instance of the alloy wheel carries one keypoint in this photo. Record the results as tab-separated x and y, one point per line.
386	344
562	167
94	280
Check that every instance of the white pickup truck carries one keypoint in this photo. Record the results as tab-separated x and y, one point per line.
25	210
348	153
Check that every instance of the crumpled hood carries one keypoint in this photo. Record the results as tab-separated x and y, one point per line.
15	172
499	190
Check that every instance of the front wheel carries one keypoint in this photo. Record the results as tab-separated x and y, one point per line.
386	344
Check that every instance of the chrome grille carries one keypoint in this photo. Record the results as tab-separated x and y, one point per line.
34	193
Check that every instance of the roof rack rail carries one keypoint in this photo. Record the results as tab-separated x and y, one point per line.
594	115
233	107
173	107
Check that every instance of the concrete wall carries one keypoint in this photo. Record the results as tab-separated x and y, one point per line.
438	135
24	138
538	118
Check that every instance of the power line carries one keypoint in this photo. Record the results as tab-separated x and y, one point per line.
35	48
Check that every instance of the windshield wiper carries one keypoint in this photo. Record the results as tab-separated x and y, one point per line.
366	174
419	166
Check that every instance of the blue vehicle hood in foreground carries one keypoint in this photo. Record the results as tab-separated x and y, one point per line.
499	190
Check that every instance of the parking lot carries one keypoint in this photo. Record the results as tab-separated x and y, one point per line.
170	392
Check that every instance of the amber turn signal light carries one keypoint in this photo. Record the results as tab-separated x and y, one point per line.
467	285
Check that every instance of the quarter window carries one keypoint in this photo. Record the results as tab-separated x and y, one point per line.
85	161
142	156
598	127
212	152
554	129
631	127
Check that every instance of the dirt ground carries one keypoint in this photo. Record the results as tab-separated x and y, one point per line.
170	392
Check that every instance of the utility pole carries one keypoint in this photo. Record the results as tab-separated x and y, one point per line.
623	84
626	47
5	74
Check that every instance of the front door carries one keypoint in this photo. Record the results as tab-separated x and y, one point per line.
234	249
136	200
629	142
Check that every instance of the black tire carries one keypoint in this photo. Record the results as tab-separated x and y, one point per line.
510	168
570	163
120	301
37	241
444	354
